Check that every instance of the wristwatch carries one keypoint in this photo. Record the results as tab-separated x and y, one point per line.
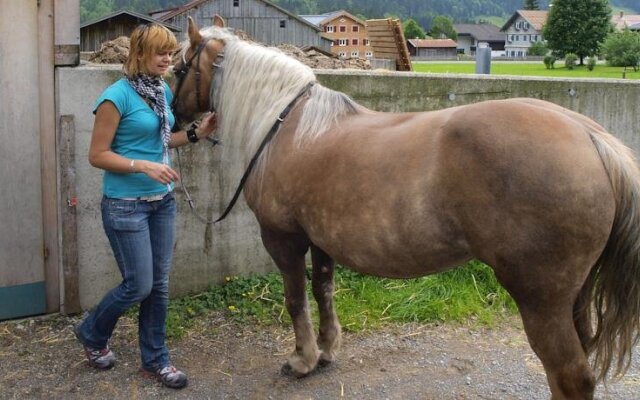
191	134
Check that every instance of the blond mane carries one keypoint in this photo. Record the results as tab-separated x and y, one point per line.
256	83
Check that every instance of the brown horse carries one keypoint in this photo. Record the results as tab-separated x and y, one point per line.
543	195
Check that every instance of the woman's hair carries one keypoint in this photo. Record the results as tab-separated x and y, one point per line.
146	41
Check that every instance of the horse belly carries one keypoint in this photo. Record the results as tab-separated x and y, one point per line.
389	242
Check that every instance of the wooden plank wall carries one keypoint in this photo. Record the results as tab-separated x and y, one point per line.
257	19
387	41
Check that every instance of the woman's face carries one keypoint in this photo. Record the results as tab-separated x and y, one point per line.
158	64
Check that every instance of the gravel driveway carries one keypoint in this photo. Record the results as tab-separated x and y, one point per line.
40	359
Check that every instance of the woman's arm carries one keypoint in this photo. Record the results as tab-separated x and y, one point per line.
101	156
206	128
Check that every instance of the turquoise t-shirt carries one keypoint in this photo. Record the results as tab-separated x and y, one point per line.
137	137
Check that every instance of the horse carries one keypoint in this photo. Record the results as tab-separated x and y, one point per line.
543	195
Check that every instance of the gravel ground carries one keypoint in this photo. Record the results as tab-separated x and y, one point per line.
40	359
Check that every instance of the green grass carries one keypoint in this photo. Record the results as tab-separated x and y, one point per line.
528	69
470	293
495	20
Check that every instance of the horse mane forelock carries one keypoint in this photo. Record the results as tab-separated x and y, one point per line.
256	85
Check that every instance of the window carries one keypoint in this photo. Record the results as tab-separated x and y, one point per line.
343	42
342	54
354	42
236	3
283	23
354	54
355	28
368	54
343	28
517	38
329	28
525	25
367	42
336	42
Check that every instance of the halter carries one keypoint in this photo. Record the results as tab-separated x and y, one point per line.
181	74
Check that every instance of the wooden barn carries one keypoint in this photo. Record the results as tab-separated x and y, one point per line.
120	23
432	49
260	19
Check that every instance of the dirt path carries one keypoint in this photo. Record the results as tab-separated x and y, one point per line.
39	358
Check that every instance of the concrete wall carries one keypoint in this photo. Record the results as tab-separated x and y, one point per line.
205	254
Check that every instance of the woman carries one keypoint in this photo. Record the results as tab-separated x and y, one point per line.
130	142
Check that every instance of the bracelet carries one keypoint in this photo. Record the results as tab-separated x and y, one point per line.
132	165
191	134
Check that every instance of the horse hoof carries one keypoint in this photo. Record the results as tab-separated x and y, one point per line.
287	370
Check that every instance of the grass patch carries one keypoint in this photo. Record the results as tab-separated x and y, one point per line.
528	69
470	293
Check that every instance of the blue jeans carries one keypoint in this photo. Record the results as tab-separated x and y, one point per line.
142	236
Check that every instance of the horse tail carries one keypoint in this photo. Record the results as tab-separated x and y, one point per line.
613	284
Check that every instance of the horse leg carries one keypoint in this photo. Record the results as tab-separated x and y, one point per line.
288	252
547	315
323	289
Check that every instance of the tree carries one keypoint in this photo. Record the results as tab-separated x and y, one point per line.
538	49
412	30
577	26
531	5
622	49
442	26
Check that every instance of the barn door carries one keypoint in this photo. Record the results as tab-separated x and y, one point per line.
22	275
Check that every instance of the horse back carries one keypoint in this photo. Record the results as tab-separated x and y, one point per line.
427	191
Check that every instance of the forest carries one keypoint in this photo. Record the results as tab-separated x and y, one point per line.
422	11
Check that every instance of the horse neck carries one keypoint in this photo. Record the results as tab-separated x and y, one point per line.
256	86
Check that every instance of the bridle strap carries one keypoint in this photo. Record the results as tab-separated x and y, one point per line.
185	70
272	132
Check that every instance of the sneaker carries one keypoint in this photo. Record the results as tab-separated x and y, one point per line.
170	376
98	358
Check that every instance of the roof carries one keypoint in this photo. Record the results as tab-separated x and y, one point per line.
432	43
481	32
317	19
622	20
180	10
341	13
133	14
536	18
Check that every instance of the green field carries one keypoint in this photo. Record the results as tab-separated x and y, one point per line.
527	69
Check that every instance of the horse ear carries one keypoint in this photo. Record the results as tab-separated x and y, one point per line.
194	34
219	21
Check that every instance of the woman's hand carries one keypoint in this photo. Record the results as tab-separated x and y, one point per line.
157	171
207	126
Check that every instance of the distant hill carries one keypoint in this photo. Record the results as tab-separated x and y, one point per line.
423	11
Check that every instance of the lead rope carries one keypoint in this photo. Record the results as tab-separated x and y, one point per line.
274	129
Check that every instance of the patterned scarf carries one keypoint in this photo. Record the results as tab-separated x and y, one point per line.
151	88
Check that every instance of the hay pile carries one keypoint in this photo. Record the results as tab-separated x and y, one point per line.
316	59
117	50
113	52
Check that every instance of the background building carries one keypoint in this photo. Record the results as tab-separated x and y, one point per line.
260	19
348	34
523	28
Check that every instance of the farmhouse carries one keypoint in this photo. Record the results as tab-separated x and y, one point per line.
432	49
348	34
471	35
120	23
622	21
260	19
522	29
